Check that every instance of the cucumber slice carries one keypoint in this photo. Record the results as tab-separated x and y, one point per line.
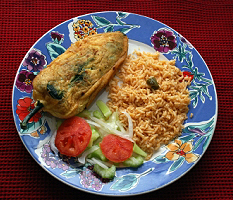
138	150
105	173
98	154
98	114
134	161
94	136
104	108
85	114
95	133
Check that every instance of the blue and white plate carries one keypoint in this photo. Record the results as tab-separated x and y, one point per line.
170	162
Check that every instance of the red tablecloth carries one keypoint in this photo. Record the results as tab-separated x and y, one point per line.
208	25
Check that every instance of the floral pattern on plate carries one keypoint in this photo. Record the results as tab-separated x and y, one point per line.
170	162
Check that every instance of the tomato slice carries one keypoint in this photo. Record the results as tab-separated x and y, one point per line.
116	148
73	136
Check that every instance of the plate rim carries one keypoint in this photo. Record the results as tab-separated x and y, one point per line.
215	116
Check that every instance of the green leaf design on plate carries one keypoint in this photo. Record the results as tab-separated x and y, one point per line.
55	50
108	29
129	181
205	127
200	83
71	173
122	14
181	52
176	164
206	143
109	26
198	142
187	138
118	20
124	30
100	21
160	159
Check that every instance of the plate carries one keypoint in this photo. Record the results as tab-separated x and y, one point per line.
145	34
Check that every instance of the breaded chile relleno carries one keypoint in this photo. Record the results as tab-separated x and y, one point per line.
71	81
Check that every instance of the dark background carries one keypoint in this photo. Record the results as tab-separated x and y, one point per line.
208	25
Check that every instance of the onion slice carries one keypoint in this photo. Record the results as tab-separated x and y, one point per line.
92	123
98	162
120	126
86	153
109	129
130	124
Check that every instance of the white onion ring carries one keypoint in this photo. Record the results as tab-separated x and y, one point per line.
86	152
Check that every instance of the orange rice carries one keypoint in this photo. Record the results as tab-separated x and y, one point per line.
157	115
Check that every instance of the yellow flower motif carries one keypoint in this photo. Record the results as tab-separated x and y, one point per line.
178	149
76	27
81	21
92	32
88	23
78	37
85	29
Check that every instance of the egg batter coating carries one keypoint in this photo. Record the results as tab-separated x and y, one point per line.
71	81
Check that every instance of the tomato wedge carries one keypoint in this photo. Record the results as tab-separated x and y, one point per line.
73	136
116	148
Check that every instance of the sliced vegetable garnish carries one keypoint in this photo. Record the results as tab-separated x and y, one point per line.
116	148
112	121
138	150
99	140
92	123
98	114
82	158
105	173
134	161
100	163
94	136
108	129
104	108
73	136
130	125
85	114
97	154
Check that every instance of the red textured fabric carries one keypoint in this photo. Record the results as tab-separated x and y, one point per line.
208	25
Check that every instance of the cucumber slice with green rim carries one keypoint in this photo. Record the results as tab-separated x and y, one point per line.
105	173
104	108
134	161
98	114
98	154
85	114
138	150
94	136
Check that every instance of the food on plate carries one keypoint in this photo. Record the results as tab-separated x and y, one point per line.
148	103
71	81
73	136
102	142
158	107
115	148
105	173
